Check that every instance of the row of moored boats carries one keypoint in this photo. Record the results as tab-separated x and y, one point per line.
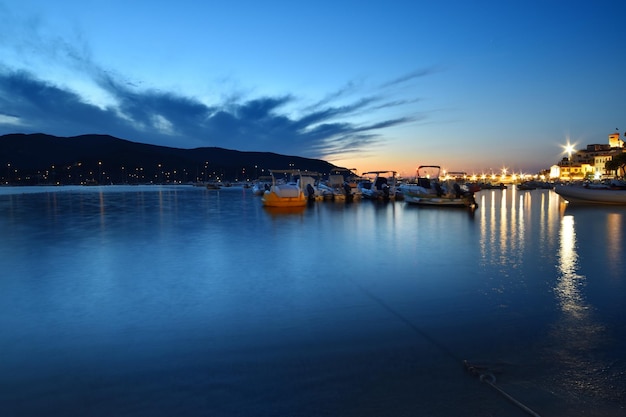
294	188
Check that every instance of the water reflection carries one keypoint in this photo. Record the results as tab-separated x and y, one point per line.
576	334
284	211
199	283
569	282
614	243
520	229
508	226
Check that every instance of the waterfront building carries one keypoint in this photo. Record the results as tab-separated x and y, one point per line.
615	141
588	163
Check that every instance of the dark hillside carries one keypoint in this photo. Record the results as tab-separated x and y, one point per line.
41	158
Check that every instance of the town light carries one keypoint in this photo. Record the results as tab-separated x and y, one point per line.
569	149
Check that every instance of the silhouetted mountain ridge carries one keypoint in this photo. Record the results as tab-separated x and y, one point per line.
37	158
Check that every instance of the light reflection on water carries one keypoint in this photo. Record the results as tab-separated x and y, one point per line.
614	242
567	291
183	301
578	335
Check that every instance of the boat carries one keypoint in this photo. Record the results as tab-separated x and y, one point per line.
340	186
381	187
428	190
262	184
285	193
309	182
213	186
533	185
333	189
491	186
526	186
592	194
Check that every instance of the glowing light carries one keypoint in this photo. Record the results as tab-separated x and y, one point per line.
569	149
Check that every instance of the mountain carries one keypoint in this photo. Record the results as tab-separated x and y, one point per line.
40	158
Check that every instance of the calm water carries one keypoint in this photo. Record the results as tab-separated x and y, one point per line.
181	301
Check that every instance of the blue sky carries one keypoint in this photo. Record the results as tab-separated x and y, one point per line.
469	85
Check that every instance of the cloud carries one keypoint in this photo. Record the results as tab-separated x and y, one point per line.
33	101
170	119
8	119
410	76
41	106
347	89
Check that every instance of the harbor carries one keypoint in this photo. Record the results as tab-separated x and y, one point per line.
329	209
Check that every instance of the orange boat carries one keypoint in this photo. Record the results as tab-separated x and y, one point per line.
285	194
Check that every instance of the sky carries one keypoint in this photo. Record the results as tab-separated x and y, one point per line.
472	86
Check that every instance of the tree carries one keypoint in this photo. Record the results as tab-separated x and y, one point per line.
617	164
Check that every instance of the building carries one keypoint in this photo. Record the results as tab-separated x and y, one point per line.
615	141
588	163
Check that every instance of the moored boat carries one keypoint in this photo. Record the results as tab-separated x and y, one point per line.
262	184
381	187
580	194
491	186
341	185
285	194
427	190
310	186
213	186
335	188
526	186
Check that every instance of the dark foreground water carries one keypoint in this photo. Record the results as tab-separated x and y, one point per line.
181	301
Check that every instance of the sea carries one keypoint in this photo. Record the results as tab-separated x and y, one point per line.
182	301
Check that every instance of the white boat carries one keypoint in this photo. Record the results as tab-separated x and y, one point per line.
287	194
427	190
309	182
579	194
381	187
338	188
262	184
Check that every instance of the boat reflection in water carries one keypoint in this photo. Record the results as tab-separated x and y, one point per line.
284	211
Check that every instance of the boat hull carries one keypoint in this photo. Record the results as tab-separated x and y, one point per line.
417	194
584	195
439	201
271	199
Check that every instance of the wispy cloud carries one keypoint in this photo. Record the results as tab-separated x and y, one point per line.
43	107
31	102
422	72
347	89
171	119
